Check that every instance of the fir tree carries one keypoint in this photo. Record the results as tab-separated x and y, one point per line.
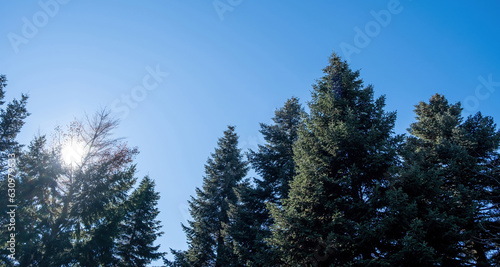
207	232
244	232
274	161
42	239
483	140
442	196
81	214
250	220
343	155
139	228
12	118
96	189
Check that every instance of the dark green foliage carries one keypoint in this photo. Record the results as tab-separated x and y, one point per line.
243	229
12	116
482	141
343	155
82	214
443	194
140	227
41	236
11	120
207	235
343	190
251	222
274	161
241	217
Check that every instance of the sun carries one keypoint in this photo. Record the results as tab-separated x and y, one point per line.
73	153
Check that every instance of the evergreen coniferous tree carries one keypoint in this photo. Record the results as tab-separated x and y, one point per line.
483	141
80	214
95	189
207	232
442	195
274	160
244	232
343	154
250	220
42	239
12	116
139	228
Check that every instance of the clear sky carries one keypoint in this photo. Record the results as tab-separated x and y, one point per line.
178	72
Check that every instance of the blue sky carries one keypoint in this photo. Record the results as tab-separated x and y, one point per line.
233	66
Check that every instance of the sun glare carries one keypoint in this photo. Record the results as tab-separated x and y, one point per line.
73	153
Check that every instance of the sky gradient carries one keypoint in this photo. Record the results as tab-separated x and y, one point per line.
178	72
